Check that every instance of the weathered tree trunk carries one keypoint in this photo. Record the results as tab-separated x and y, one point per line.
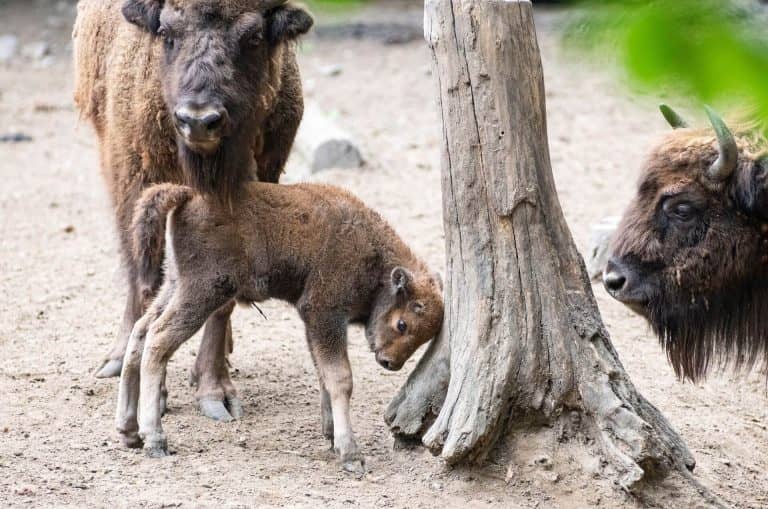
523	345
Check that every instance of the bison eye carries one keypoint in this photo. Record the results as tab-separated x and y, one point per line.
679	210
401	326
683	212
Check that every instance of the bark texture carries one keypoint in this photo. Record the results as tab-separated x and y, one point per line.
523	343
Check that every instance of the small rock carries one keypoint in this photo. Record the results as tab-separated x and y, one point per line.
24	491
14	138
544	462
331	70
69	229
46	61
36	50
9	44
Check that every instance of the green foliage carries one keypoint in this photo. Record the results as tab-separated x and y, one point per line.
711	51
334	6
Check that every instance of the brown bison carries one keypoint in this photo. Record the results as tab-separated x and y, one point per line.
315	246
188	91
691	252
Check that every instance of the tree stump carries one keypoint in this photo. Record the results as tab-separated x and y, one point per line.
523	345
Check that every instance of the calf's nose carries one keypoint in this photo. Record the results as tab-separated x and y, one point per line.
614	278
200	123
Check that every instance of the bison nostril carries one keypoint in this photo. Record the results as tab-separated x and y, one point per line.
200	123
384	363
614	281
212	120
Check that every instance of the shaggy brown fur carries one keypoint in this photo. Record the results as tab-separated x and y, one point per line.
146	70
315	246
690	253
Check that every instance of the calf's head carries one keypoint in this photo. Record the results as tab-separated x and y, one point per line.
691	252
407	313
220	72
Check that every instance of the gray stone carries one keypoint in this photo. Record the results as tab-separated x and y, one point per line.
331	70
601	234
9	45
36	50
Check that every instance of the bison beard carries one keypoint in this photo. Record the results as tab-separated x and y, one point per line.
222	174
729	329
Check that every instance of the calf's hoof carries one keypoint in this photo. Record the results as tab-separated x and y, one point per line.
354	463
131	440
110	368
156	446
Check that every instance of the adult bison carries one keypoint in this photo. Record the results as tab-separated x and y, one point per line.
200	92
691	252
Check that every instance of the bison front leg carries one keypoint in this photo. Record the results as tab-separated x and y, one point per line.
328	343
216	394
281	126
113	363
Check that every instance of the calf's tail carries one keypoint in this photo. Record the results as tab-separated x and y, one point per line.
149	221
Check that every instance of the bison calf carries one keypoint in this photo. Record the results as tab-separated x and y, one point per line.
315	246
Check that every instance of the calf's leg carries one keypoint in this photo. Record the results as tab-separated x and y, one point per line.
216	394
326	413
128	392
181	318
329	351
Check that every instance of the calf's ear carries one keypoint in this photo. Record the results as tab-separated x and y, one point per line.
287	22
401	280
143	13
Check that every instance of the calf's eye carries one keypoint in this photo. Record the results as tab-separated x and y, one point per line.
166	36
401	326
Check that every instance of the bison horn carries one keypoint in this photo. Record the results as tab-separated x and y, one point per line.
728	152
675	120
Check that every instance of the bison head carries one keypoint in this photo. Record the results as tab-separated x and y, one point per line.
407	313
220	70
690	252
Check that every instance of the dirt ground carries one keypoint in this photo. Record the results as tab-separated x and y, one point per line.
61	296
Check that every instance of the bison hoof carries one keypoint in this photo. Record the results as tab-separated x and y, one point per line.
215	409
354	463
156	447
110	368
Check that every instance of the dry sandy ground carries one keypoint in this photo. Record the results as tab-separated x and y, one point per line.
61	296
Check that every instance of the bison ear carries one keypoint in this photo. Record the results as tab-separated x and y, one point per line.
143	13
752	189
287	23
401	280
